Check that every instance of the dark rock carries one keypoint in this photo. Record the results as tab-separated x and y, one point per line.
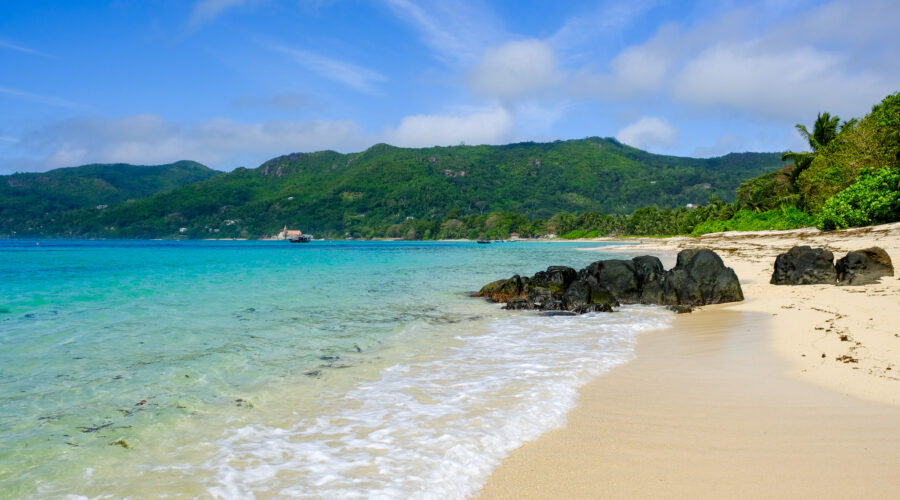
803	265
651	275
503	290
619	277
555	278
544	298
680	309
648	268
699	278
587	295
864	267
517	304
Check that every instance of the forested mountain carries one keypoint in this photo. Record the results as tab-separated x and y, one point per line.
32	201
365	194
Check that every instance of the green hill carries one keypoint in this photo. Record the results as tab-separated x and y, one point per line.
30	203
369	193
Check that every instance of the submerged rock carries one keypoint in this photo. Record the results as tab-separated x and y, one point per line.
803	265
863	267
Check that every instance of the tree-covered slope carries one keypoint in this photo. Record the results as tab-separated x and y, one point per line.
870	143
328	193
30	201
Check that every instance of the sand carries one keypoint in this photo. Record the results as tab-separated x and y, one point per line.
737	400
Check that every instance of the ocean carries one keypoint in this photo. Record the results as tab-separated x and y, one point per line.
262	369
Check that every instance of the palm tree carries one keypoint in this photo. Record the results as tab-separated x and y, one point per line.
825	129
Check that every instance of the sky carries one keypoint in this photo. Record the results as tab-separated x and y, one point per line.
233	83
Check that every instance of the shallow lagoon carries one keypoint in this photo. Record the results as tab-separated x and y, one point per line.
235	368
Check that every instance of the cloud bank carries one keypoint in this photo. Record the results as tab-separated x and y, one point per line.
150	139
648	132
515	70
481	127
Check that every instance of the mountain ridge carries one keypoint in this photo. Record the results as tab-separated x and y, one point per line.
363	194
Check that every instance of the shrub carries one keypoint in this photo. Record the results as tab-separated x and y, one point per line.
874	198
746	220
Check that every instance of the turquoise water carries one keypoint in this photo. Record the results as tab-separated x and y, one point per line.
264	369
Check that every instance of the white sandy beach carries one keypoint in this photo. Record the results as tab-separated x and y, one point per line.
746	400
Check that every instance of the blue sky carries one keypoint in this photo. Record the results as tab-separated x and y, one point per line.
233	83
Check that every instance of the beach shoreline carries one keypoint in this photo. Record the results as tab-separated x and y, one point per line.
749	399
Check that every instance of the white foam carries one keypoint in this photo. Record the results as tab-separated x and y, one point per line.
433	428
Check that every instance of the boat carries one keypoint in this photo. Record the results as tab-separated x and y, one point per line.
294	235
483	242
300	238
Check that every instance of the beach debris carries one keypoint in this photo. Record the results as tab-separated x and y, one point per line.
141	402
863	267
698	278
804	265
313	373
847	359
243	403
120	442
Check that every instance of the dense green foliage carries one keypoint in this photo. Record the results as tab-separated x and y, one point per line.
30	202
747	220
840	181
874	198
424	193
870	143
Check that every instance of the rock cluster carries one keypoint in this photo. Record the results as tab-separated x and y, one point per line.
698	278
863	267
803	265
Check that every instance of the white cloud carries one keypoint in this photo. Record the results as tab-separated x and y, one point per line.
454	30
482	127
606	21
515	70
648	132
349	74
150	139
766	62
785	83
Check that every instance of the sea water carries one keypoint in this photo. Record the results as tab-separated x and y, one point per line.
267	369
